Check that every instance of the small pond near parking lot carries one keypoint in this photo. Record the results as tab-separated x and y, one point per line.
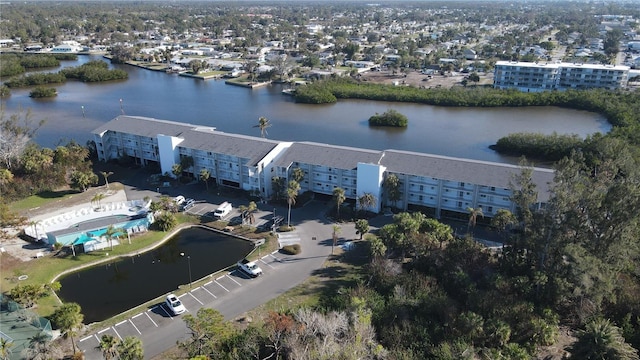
110	288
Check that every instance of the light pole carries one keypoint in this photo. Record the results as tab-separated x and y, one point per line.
189	263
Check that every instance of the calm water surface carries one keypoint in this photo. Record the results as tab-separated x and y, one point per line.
108	289
459	132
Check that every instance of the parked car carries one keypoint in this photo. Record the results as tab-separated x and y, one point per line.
174	304
188	204
249	267
222	211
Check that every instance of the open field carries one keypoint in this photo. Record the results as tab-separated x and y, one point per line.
417	79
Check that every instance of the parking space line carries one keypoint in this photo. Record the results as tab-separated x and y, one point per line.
221	285
135	327
154	323
277	258
220	277
205	289
114	329
103	330
165	311
195	298
90	336
121	322
96	335
266	263
135	316
232	279
208	283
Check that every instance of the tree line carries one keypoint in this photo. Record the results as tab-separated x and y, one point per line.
19	63
621	108
93	71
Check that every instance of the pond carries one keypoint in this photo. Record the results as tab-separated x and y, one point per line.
111	288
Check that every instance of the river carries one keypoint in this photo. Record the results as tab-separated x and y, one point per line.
460	132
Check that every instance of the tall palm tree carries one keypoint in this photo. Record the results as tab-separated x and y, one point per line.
292	193
105	175
263	124
297	174
68	318
204	176
473	216
109	346
602	340
113	232
338	198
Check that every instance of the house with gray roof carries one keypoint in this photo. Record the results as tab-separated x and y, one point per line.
435	184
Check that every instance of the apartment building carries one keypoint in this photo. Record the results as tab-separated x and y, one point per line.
540	76
440	184
232	160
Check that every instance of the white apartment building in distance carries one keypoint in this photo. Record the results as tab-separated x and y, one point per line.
439	185
542	76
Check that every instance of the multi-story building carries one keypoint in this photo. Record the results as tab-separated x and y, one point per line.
444	185
232	160
541	76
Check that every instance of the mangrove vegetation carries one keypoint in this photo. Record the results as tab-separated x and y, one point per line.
620	108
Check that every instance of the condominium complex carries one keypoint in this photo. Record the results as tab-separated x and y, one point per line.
439	184
541	76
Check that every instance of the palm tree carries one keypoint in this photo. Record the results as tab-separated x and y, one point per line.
204	176
367	201
5	348
297	174
334	235
338	198
130	348
292	193
602	340
98	198
263	124
112	232
392	186
473	216
109	346
105	175
41	348
68	318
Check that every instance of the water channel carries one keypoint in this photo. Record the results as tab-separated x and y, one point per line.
108	289
460	132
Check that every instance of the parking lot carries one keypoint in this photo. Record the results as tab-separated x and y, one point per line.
152	319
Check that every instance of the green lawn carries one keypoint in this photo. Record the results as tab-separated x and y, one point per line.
40	199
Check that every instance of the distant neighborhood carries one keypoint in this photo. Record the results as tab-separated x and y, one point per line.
268	43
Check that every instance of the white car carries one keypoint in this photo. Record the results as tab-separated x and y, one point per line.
174	304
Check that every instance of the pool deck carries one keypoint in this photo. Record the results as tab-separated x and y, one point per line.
69	217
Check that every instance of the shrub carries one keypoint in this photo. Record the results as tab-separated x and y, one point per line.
43	92
285	228
389	118
294	249
4	91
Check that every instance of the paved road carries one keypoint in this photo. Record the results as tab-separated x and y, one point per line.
232	293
